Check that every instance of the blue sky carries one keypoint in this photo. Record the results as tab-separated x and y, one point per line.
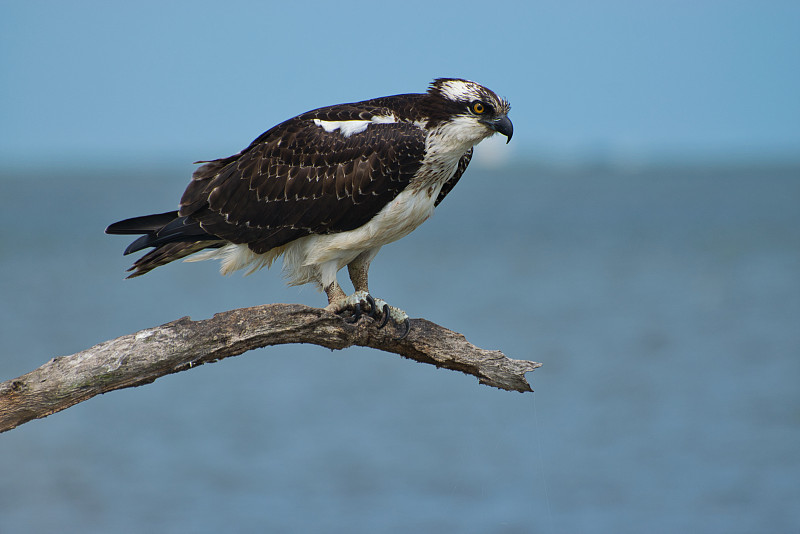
87	82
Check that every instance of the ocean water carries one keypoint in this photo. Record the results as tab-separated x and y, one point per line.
664	304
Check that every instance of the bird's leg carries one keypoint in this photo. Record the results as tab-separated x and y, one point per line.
359	273
358	270
334	292
361	301
339	302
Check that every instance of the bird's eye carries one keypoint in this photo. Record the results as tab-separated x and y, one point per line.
478	108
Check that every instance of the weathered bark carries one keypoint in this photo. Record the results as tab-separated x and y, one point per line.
140	358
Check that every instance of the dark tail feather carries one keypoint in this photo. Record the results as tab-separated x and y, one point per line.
172	236
166	254
143	225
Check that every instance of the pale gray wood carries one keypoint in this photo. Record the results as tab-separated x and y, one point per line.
140	358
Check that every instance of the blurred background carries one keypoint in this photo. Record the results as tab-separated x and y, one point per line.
640	236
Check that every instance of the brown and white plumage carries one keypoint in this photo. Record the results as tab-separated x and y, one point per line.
326	188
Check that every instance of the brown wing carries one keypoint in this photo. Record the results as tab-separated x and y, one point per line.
298	179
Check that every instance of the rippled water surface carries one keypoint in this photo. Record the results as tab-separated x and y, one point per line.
665	306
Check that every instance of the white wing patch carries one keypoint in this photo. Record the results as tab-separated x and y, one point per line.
348	128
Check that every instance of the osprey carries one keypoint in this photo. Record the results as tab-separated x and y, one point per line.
326	189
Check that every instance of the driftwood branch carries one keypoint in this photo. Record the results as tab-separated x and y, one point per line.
140	358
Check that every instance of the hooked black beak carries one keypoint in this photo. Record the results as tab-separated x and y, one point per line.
503	125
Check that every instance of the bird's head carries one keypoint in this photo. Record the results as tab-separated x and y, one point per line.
477	111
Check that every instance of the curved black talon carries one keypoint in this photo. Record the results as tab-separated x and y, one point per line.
385	317
371	301
356	314
407	325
